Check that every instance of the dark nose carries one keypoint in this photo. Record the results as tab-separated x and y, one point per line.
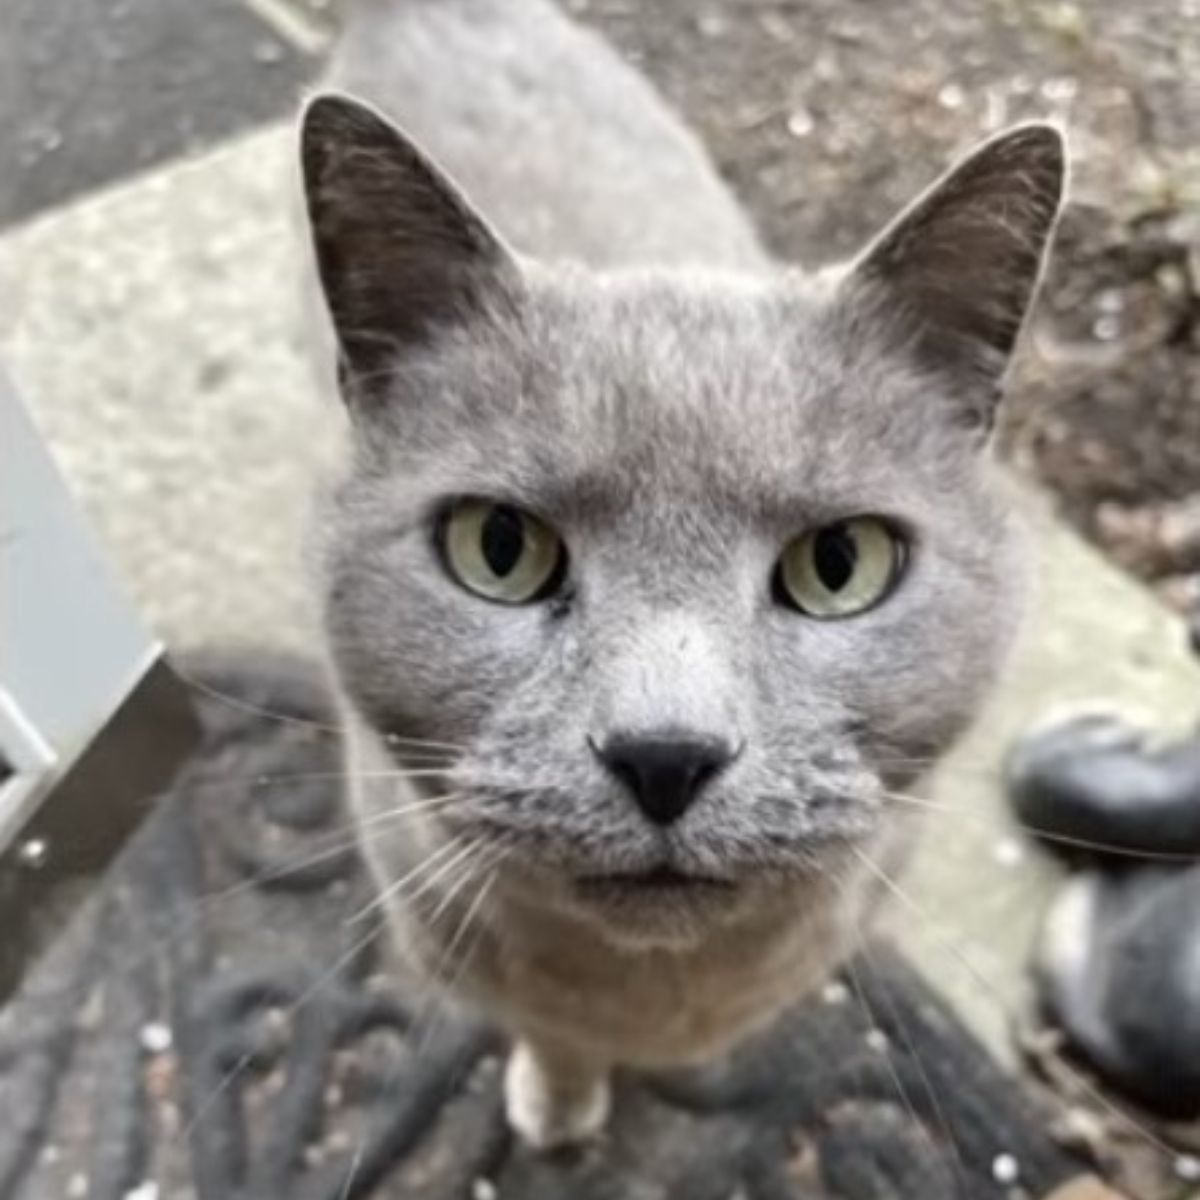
665	773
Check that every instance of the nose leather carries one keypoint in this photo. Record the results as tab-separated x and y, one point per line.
664	773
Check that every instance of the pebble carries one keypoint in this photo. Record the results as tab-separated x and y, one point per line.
835	993
268	53
1005	1169
33	852
1187	1168
156	1038
77	1186
338	1142
877	1040
1064	19
1061	90
1009	852
483	1189
952	96
712	24
143	1191
800	123
1181	592
775	26
996	115
1179	527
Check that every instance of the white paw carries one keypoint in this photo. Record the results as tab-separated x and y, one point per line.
546	1111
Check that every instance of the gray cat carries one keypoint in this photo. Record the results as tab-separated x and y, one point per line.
655	566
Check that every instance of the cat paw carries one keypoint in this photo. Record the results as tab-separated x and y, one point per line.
1099	784
547	1111
1116	974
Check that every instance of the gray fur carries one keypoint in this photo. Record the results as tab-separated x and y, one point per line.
564	147
632	371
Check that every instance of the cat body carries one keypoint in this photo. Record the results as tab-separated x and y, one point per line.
566	150
655	567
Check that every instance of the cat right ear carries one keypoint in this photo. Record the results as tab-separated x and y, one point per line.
400	252
951	279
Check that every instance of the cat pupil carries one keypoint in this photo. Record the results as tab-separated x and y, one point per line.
502	539
835	555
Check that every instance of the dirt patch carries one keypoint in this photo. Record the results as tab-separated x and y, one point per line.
827	115
1108	411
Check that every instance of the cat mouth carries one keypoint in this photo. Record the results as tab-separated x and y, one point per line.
659	881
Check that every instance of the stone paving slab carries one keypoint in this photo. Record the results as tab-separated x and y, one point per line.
1094	638
155	331
92	90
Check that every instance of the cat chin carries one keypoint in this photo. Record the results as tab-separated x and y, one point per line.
626	914
637	912
637	918
635	931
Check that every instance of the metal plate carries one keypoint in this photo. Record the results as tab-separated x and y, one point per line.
65	847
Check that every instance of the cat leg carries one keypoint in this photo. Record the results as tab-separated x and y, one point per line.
554	1096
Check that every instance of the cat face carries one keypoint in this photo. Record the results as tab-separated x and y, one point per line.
690	571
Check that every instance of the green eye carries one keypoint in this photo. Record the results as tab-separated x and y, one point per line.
842	569
500	552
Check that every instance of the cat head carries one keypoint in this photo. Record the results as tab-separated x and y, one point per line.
684	572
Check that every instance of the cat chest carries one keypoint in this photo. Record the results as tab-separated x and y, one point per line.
655	1011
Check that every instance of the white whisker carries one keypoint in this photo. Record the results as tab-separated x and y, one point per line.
469	872
331	727
926	1083
308	776
290	1010
455	848
1062	839
208	901
351	830
245	706
446	958
355	1163
901	1091
397	739
472	911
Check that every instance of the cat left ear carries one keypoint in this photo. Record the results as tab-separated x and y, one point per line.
400	252
953	277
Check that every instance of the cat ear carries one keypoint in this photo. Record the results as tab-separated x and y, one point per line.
399	250
954	275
